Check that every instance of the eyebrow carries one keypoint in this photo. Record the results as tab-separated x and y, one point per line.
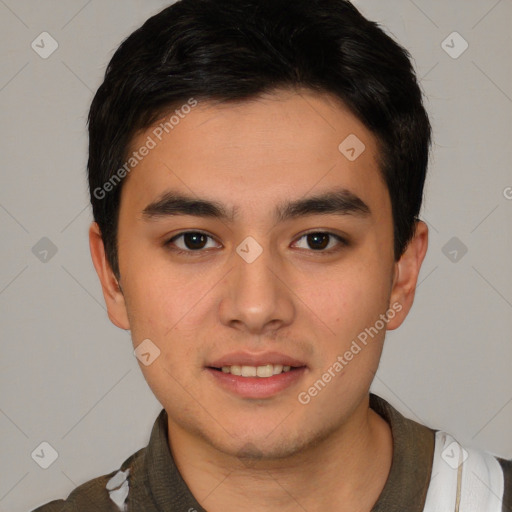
337	202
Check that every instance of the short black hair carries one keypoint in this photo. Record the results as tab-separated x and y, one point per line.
233	50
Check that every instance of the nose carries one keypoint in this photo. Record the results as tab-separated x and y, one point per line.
257	299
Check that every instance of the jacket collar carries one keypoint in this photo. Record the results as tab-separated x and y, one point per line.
405	489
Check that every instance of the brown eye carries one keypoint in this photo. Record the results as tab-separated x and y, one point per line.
194	240
320	241
191	241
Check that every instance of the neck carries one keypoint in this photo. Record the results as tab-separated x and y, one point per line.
345	471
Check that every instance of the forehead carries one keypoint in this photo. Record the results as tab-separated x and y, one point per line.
253	153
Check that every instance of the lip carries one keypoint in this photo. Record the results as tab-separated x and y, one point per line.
253	359
256	387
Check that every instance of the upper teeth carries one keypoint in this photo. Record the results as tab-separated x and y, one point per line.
266	370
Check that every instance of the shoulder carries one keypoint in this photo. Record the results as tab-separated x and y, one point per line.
108	491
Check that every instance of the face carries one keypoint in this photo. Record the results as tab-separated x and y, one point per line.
250	243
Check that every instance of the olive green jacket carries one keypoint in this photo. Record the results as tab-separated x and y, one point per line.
430	471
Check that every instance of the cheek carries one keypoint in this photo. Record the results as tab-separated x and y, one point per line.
163	307
166	302
351	306
352	297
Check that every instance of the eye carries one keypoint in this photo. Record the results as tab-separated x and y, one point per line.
319	241
190	241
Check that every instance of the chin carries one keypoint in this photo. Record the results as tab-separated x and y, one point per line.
270	444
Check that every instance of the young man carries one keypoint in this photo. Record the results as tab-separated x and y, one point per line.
256	171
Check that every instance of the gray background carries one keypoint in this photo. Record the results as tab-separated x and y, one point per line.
69	377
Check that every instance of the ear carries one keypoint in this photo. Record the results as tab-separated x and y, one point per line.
114	298
407	269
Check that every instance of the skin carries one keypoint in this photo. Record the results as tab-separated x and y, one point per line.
275	453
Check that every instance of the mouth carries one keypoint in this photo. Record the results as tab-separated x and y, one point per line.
263	371
258	377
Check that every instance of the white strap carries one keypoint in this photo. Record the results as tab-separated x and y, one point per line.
118	489
463	479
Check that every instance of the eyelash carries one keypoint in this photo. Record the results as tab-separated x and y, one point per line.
342	243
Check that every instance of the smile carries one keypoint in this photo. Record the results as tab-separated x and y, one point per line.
263	371
256	382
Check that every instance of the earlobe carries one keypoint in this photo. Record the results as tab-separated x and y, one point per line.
112	291
407	269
